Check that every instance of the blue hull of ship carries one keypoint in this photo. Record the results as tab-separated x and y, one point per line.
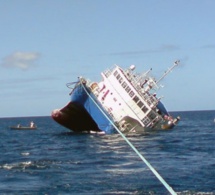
82	96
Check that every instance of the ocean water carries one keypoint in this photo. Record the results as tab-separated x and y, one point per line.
53	160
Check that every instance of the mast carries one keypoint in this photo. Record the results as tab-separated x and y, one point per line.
176	63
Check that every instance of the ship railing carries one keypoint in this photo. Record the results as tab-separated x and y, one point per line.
152	101
72	84
142	86
148	98
153	122
152	118
108	72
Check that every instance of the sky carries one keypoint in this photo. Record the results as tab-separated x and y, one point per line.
46	44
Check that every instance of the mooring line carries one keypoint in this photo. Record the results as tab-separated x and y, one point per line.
166	185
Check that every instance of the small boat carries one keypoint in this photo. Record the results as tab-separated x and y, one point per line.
20	127
123	99
23	128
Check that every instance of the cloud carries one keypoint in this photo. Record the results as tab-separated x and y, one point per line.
162	48
21	60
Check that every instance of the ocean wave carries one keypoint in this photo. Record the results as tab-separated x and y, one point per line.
19	165
187	192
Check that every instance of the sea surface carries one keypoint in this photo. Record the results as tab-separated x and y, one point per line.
52	160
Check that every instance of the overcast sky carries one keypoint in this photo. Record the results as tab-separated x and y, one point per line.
46	44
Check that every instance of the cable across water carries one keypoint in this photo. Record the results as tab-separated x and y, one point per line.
166	185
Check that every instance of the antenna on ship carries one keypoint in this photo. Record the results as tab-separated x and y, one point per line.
176	63
146	73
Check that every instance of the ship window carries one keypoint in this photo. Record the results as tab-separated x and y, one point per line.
136	99
140	104
152	116
146	120
124	85
131	94
120	80
144	109
128	89
118	77
115	73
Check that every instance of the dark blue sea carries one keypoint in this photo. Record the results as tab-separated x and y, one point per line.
52	160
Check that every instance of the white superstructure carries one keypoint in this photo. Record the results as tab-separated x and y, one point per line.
129	99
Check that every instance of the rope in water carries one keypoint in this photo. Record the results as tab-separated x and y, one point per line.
166	185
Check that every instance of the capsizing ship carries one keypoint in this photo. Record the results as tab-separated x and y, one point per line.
123	99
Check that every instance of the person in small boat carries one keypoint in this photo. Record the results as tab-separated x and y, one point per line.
32	124
18	125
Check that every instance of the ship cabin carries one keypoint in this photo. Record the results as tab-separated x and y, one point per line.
127	97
